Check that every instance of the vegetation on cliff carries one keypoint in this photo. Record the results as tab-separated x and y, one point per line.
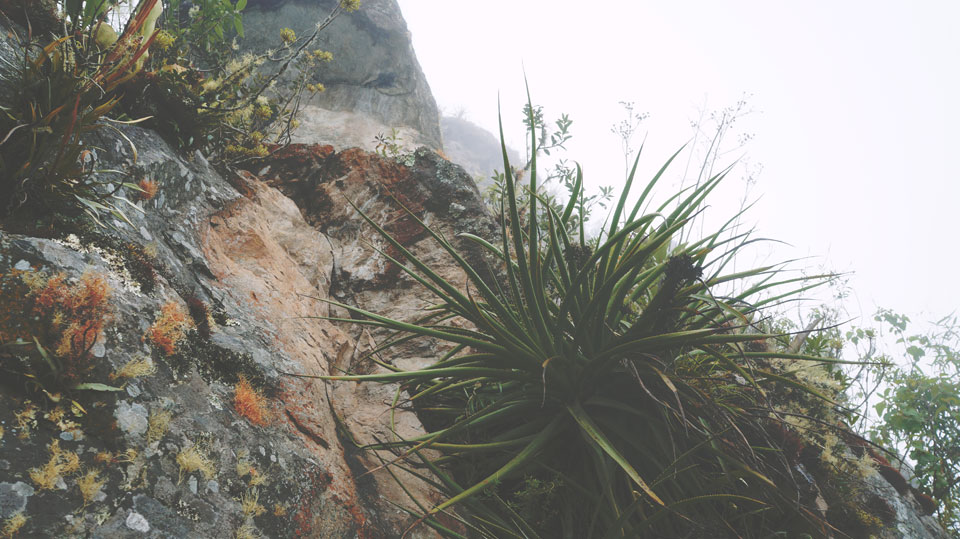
176	74
626	385
631	384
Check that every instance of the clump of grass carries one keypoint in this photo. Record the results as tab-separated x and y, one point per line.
250	403
191	460
13	525
63	92
169	328
128	456
246	469
59	464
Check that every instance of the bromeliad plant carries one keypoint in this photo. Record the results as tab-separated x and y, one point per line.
64	93
600	388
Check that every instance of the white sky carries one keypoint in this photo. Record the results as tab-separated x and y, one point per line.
856	107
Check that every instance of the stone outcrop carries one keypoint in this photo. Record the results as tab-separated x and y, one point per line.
260	262
374	83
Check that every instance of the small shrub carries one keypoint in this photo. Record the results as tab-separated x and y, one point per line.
234	111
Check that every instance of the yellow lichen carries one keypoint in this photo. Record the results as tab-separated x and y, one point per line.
250	504
279	510
136	368
256	478
866	466
157	425
56	415
13	525
26	418
90	485
60	463
128	456
247	531
191	460
243	465
103	457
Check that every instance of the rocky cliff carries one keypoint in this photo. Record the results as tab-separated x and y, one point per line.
199	321
242	269
374	83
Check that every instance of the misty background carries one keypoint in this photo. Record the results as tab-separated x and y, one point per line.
844	113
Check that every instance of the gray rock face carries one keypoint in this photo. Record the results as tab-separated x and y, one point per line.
255	260
13	498
907	518
374	83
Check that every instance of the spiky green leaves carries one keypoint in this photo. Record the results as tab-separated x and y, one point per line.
612	369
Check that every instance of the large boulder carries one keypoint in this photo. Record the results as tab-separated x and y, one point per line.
374	83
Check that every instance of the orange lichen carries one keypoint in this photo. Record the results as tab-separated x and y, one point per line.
169	328
249	403
65	318
149	189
